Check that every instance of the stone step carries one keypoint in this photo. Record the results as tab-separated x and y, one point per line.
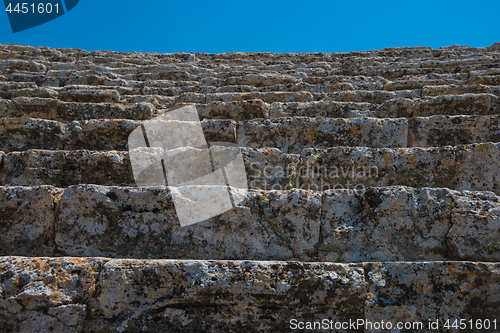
489	80
469	167
412	233
210	85
420	66
452	130
19	134
419	52
434	58
376	224
466	104
370	96
108	295
89	78
454	89
410	84
141	107
53	109
291	135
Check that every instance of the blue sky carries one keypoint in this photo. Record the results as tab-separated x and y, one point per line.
264	26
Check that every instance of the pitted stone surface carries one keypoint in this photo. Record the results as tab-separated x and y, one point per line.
27	217
376	224
383	161
430	291
294	134
102	295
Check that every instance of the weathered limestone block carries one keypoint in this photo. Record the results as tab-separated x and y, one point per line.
378	224
89	94
238	296
8	88
22	65
219	130
322	108
103	134
490	80
114	222
476	227
27	215
36	92
190	98
142	222
65	168
261	79
270	168
268	97
466	104
417	84
373	97
291	135
348	168
235	88
26	133
332	83
453	130
454	89
46	294
477	167
385	224
101	295
112	134
243	110
156	101
54	109
430	291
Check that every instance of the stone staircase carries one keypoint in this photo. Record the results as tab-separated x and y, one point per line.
374	192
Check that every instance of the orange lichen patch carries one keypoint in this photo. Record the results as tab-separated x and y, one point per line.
483	214
369	295
269	151
355	129
311	138
470	275
420	289
469	287
412	159
451	268
482	151
80	261
394	281
344	85
311	130
262	197
49	273
16	280
388	158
